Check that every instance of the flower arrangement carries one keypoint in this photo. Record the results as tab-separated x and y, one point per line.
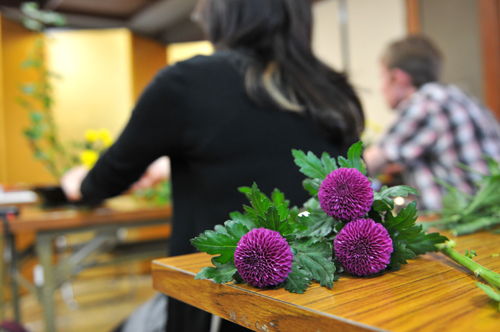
344	227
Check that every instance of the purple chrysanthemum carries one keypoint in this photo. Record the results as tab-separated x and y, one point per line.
346	194
363	247
263	257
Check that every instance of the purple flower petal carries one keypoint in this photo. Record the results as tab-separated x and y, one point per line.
363	247
346	194
263	257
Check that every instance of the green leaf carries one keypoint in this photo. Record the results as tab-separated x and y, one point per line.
315	259
425	242
297	280
215	243
278	198
407	235
272	221
36	117
34	133
47	101
40	155
397	191
283	212
377	216
492	165
382	204
399	256
235	229
54	74
489	291
405	219
472	226
329	163
30	8
244	219
28	63
486	195
260	203
455	201
245	190
219	274
311	185
318	225
338	226
32	24
24	103
293	215
49	17
312	205
309	164
217	228
354	158
238	279
28	88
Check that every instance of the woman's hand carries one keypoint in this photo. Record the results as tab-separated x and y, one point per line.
158	171
71	182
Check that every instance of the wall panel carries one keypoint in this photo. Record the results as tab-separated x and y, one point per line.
20	166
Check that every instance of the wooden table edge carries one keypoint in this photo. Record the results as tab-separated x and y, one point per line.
80	219
223	295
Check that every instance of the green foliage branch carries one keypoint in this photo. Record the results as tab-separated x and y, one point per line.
466	214
38	96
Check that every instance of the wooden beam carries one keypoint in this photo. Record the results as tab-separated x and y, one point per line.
413	16
489	11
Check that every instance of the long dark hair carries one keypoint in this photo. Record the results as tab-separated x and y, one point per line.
285	73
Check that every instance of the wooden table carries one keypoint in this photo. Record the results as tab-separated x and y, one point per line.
105	221
431	293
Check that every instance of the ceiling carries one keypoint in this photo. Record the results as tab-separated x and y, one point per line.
167	21
164	20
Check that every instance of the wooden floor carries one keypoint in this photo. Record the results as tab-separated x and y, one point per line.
103	300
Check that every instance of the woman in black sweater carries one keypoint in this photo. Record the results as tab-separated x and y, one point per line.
229	120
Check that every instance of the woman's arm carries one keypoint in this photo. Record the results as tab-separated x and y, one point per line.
155	129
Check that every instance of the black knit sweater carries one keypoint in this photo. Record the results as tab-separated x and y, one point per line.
197	112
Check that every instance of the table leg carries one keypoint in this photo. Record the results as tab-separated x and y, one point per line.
13	278
2	277
44	253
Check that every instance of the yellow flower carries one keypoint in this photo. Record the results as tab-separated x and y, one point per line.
105	136
91	135
89	158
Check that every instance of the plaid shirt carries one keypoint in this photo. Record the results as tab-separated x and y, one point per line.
437	127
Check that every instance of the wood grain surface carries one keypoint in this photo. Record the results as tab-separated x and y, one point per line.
431	293
120	210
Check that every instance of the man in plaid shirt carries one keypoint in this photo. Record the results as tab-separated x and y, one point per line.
437	127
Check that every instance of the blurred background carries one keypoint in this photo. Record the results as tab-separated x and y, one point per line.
109	50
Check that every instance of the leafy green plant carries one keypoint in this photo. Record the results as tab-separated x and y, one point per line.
465	214
37	96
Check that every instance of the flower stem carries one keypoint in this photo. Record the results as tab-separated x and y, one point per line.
491	277
474	226
441	223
